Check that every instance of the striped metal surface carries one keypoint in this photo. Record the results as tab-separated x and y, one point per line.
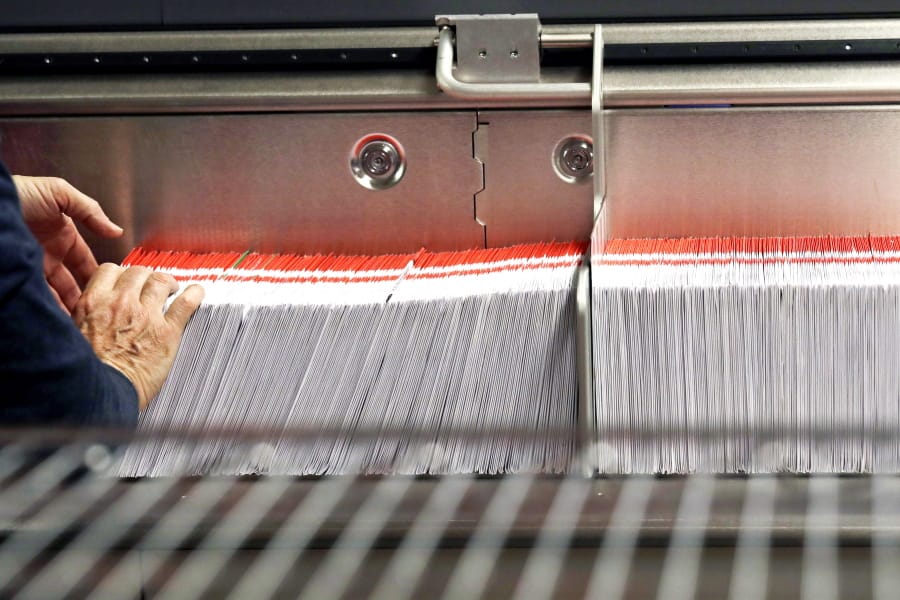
70	529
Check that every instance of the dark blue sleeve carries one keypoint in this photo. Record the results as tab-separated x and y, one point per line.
48	370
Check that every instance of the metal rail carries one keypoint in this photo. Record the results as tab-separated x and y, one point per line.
713	84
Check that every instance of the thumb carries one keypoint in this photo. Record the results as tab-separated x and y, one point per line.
184	306
82	208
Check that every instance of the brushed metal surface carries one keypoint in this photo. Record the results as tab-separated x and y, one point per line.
734	31
186	41
524	200
281	182
274	183
859	82
757	172
496	48
853	82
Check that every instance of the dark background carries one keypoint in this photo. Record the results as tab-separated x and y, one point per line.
84	15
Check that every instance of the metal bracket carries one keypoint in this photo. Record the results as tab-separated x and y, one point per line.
498	57
497	48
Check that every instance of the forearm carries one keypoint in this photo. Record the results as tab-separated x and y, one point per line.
82	392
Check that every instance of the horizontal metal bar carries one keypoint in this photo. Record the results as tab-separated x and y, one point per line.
625	86
211	41
577	36
777	83
552	36
566	39
700	32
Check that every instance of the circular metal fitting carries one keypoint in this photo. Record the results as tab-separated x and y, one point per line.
573	159
378	162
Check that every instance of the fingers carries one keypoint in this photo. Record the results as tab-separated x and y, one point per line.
184	306
131	282
79	260
136	283
51	206
157	289
117	315
82	208
62	284
104	278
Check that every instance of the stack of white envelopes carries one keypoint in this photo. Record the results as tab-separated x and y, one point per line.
747	355
406	363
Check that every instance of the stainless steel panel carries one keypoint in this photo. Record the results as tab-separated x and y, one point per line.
524	200
282	182
758	172
278	182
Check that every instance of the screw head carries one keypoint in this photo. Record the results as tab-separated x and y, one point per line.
574	159
378	163
378	159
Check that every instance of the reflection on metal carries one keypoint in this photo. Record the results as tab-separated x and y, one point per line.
753	172
524	199
276	183
232	181
378	162
281	182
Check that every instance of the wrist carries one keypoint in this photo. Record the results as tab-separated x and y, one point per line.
132	376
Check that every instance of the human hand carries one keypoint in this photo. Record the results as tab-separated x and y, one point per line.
121	315
51	206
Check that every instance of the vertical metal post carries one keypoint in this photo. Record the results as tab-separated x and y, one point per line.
598	129
583	342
